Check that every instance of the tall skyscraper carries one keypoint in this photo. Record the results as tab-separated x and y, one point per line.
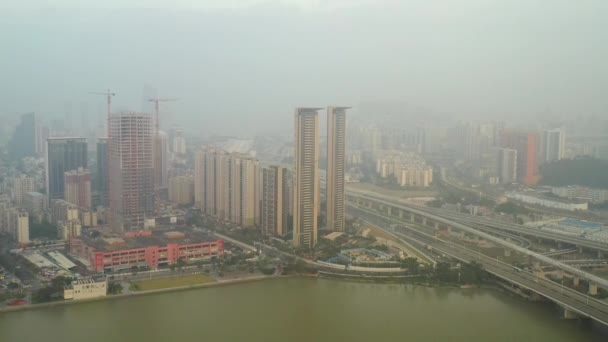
101	184
179	143
22	186
181	190
244	196
275	201
472	138
552	145
131	176
336	159
226	186
306	177
42	134
161	173
77	188
210	181
526	144
63	154
23	142
21	227
507	165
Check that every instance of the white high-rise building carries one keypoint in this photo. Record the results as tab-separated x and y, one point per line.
77	188
306	177
552	145
336	159
161	169
227	186
507	165
17	224
131	170
179	142
21	186
275	201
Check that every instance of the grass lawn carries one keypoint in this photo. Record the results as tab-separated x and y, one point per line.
177	281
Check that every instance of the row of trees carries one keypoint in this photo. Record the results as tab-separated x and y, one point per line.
582	171
52	292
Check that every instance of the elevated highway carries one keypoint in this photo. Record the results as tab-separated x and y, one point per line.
571	300
469	219
397	210
521	230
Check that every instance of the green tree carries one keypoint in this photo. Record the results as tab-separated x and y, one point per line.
411	264
180	264
444	273
134	286
581	171
511	208
115	288
382	248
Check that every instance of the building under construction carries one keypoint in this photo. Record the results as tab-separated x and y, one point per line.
131	174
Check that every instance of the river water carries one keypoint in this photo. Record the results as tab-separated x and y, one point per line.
300	309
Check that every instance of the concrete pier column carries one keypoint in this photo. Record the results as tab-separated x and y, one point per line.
536	265
600	255
412	218
400	214
576	281
389	210
507	252
559	245
449	229
436	225
535	297
424	221
580	249
568	314
592	289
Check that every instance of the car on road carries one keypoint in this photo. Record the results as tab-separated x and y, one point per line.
16	302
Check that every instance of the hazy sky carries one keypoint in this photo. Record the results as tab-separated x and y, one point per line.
240	67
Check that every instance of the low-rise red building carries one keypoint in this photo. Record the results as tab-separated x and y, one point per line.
149	248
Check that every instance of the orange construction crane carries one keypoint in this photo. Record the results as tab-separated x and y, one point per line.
157	153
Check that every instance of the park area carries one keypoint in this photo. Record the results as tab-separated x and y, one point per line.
178	281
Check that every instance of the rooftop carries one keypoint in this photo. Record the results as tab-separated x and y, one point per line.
157	237
88	281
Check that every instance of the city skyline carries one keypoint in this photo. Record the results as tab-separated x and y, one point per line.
314	170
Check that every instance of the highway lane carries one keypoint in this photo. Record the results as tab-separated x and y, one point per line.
465	218
515	228
569	298
457	225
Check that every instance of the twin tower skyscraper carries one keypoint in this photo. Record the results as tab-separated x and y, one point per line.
306	176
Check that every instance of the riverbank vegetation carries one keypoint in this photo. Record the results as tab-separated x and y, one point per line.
164	283
581	171
52	292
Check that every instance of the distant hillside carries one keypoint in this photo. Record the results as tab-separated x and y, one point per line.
585	171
